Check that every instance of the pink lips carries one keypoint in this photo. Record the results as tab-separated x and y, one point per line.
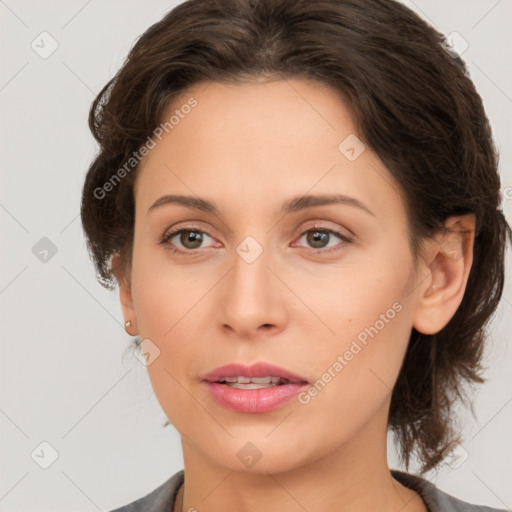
255	370
253	400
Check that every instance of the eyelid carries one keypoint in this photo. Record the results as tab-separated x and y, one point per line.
323	226
192	225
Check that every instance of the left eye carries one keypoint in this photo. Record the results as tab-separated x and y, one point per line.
319	238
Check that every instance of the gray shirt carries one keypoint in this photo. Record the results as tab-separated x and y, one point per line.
163	497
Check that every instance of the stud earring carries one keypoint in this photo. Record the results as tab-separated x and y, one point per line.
127	325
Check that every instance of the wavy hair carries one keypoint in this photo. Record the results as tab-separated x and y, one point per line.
414	105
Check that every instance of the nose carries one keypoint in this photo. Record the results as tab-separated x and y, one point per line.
252	302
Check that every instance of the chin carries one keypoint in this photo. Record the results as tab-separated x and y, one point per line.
260	454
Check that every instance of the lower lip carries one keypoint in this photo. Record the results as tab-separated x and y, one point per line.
254	400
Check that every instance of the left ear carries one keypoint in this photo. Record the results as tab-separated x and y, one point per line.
447	261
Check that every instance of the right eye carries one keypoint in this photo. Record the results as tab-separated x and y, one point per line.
189	238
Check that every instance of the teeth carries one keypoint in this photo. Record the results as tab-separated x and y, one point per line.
258	381
261	380
251	385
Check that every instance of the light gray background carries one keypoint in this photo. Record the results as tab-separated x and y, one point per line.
63	380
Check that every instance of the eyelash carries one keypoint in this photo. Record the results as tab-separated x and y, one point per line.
167	237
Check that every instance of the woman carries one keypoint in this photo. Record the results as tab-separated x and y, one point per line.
299	203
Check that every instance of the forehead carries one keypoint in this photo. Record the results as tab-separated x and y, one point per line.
260	140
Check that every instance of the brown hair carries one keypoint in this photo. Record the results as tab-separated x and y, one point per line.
414	105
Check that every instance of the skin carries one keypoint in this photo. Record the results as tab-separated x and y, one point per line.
248	148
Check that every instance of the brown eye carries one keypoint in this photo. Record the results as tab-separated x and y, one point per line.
191	239
317	239
321	238
184	240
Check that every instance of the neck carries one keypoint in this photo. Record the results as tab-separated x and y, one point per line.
351	477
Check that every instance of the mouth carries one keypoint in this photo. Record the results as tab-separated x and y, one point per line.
253	389
259	375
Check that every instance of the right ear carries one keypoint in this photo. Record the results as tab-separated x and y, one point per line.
125	293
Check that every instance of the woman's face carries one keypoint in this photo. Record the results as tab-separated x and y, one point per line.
325	290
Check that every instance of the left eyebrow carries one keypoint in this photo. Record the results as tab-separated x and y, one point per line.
308	201
292	205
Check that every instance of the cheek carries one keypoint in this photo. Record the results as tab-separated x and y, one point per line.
367	358
361	300
355	373
163	292
166	299
363	360
369	314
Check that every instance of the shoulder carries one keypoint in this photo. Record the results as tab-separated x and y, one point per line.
160	499
435	499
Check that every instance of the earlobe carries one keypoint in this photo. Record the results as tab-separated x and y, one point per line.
448	260
125	295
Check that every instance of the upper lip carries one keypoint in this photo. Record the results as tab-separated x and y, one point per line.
256	370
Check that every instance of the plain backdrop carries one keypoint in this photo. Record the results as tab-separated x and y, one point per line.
68	400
